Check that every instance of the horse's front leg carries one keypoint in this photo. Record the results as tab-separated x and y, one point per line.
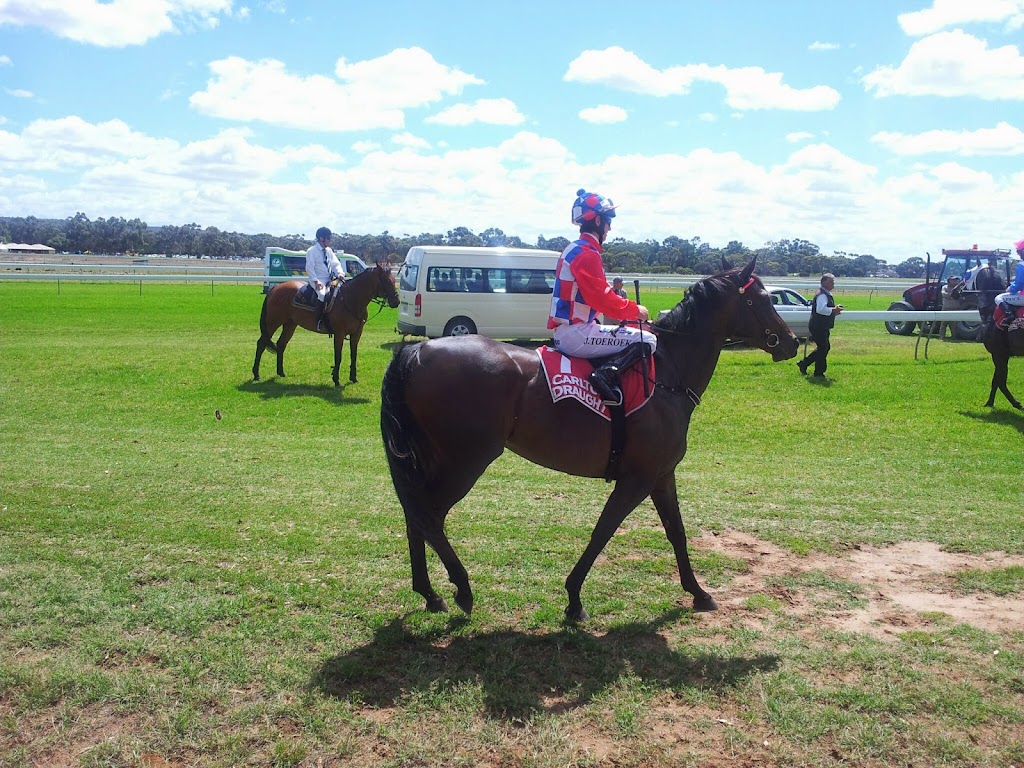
623	500
339	344
353	346
666	501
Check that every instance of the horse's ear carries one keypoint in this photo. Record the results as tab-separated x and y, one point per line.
726	264
748	270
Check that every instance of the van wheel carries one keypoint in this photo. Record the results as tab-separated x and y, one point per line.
459	326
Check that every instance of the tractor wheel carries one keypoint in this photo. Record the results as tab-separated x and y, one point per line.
966	331
900	327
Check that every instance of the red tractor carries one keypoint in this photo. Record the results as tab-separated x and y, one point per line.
951	288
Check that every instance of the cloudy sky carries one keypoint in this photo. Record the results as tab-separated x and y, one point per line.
890	128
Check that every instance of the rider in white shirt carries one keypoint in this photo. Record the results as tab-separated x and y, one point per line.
321	267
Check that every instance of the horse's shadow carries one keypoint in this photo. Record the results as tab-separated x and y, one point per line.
274	389
1004	418
523	674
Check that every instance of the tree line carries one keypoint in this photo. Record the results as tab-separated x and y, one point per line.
79	234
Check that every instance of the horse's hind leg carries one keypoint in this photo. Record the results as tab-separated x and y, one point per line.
666	501
261	345
420	576
282	342
999	382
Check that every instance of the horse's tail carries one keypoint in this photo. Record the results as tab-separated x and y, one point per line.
264	335
399	429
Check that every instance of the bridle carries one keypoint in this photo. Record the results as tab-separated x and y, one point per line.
381	301
773	341
773	338
387	288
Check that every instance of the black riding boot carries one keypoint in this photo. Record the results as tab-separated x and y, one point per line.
323	323
605	377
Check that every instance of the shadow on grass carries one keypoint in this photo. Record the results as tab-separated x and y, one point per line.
274	388
1011	418
524	674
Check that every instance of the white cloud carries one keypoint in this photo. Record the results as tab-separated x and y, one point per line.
1003	140
409	140
489	111
112	24
798	136
952	13
524	185
820	46
604	113
746	87
953	64
5	61
19	93
367	94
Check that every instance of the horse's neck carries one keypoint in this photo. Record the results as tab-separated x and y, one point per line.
690	360
358	291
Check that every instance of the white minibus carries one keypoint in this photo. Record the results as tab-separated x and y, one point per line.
503	293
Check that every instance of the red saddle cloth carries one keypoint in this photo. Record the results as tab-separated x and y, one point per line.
570	377
1003	319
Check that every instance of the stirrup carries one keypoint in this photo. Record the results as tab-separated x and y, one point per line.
611	394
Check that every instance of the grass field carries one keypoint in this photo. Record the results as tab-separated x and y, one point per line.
178	590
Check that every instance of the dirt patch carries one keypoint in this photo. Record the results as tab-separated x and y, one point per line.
903	586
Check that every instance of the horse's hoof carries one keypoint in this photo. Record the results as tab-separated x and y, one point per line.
465	603
255	378
704	604
577	614
437	605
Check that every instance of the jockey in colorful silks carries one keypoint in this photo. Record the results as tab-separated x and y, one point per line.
581	291
1015	291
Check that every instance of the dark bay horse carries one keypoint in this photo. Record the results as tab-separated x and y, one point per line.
347	316
436	454
999	346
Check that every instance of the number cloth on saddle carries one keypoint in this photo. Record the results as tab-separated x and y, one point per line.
570	377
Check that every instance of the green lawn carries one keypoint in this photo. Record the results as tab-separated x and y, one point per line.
186	591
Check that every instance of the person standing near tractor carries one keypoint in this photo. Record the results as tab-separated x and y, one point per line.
823	316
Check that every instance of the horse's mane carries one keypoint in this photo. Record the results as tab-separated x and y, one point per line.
697	301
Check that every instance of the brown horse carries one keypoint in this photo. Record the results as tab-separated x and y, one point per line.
997	342
436	454
347	316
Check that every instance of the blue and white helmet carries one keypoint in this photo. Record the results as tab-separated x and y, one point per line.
590	205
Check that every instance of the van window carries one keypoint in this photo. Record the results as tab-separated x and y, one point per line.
444	279
353	267
408	276
531	280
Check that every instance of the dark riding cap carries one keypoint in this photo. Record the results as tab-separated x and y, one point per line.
590	205
323	232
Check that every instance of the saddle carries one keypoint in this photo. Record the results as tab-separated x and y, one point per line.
1005	316
305	298
569	378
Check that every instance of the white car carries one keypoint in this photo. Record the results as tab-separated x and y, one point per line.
793	308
